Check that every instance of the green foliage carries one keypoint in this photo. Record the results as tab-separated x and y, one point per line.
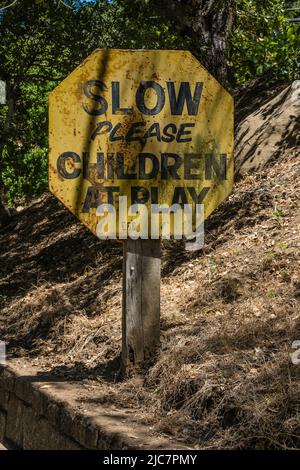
263	41
24	160
29	177
277	213
42	41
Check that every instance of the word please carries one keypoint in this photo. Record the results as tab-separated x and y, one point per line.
169	133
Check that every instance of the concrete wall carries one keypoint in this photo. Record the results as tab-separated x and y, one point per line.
30	419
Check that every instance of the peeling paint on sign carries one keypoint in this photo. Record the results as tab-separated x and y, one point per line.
154	126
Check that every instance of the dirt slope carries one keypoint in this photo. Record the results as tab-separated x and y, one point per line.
269	131
224	378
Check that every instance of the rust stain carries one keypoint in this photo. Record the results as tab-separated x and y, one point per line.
70	127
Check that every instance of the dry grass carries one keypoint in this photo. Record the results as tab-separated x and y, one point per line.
223	378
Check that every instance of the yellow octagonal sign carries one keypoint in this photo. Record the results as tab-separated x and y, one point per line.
131	130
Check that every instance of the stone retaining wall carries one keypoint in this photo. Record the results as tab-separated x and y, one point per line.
36	415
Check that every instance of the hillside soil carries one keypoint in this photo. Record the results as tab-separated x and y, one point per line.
230	313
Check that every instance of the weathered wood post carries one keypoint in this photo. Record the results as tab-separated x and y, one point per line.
141	301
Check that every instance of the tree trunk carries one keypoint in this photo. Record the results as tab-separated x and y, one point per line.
5	215
212	23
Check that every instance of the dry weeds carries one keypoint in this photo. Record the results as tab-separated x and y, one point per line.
224	378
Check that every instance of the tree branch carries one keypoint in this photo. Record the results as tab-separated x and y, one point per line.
8	6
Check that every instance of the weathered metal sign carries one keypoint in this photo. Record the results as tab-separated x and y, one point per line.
153	126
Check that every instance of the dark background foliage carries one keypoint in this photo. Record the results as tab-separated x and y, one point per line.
42	41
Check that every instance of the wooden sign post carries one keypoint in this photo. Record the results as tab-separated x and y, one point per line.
134	135
141	301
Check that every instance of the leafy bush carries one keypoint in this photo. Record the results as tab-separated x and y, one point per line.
263	40
29	178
